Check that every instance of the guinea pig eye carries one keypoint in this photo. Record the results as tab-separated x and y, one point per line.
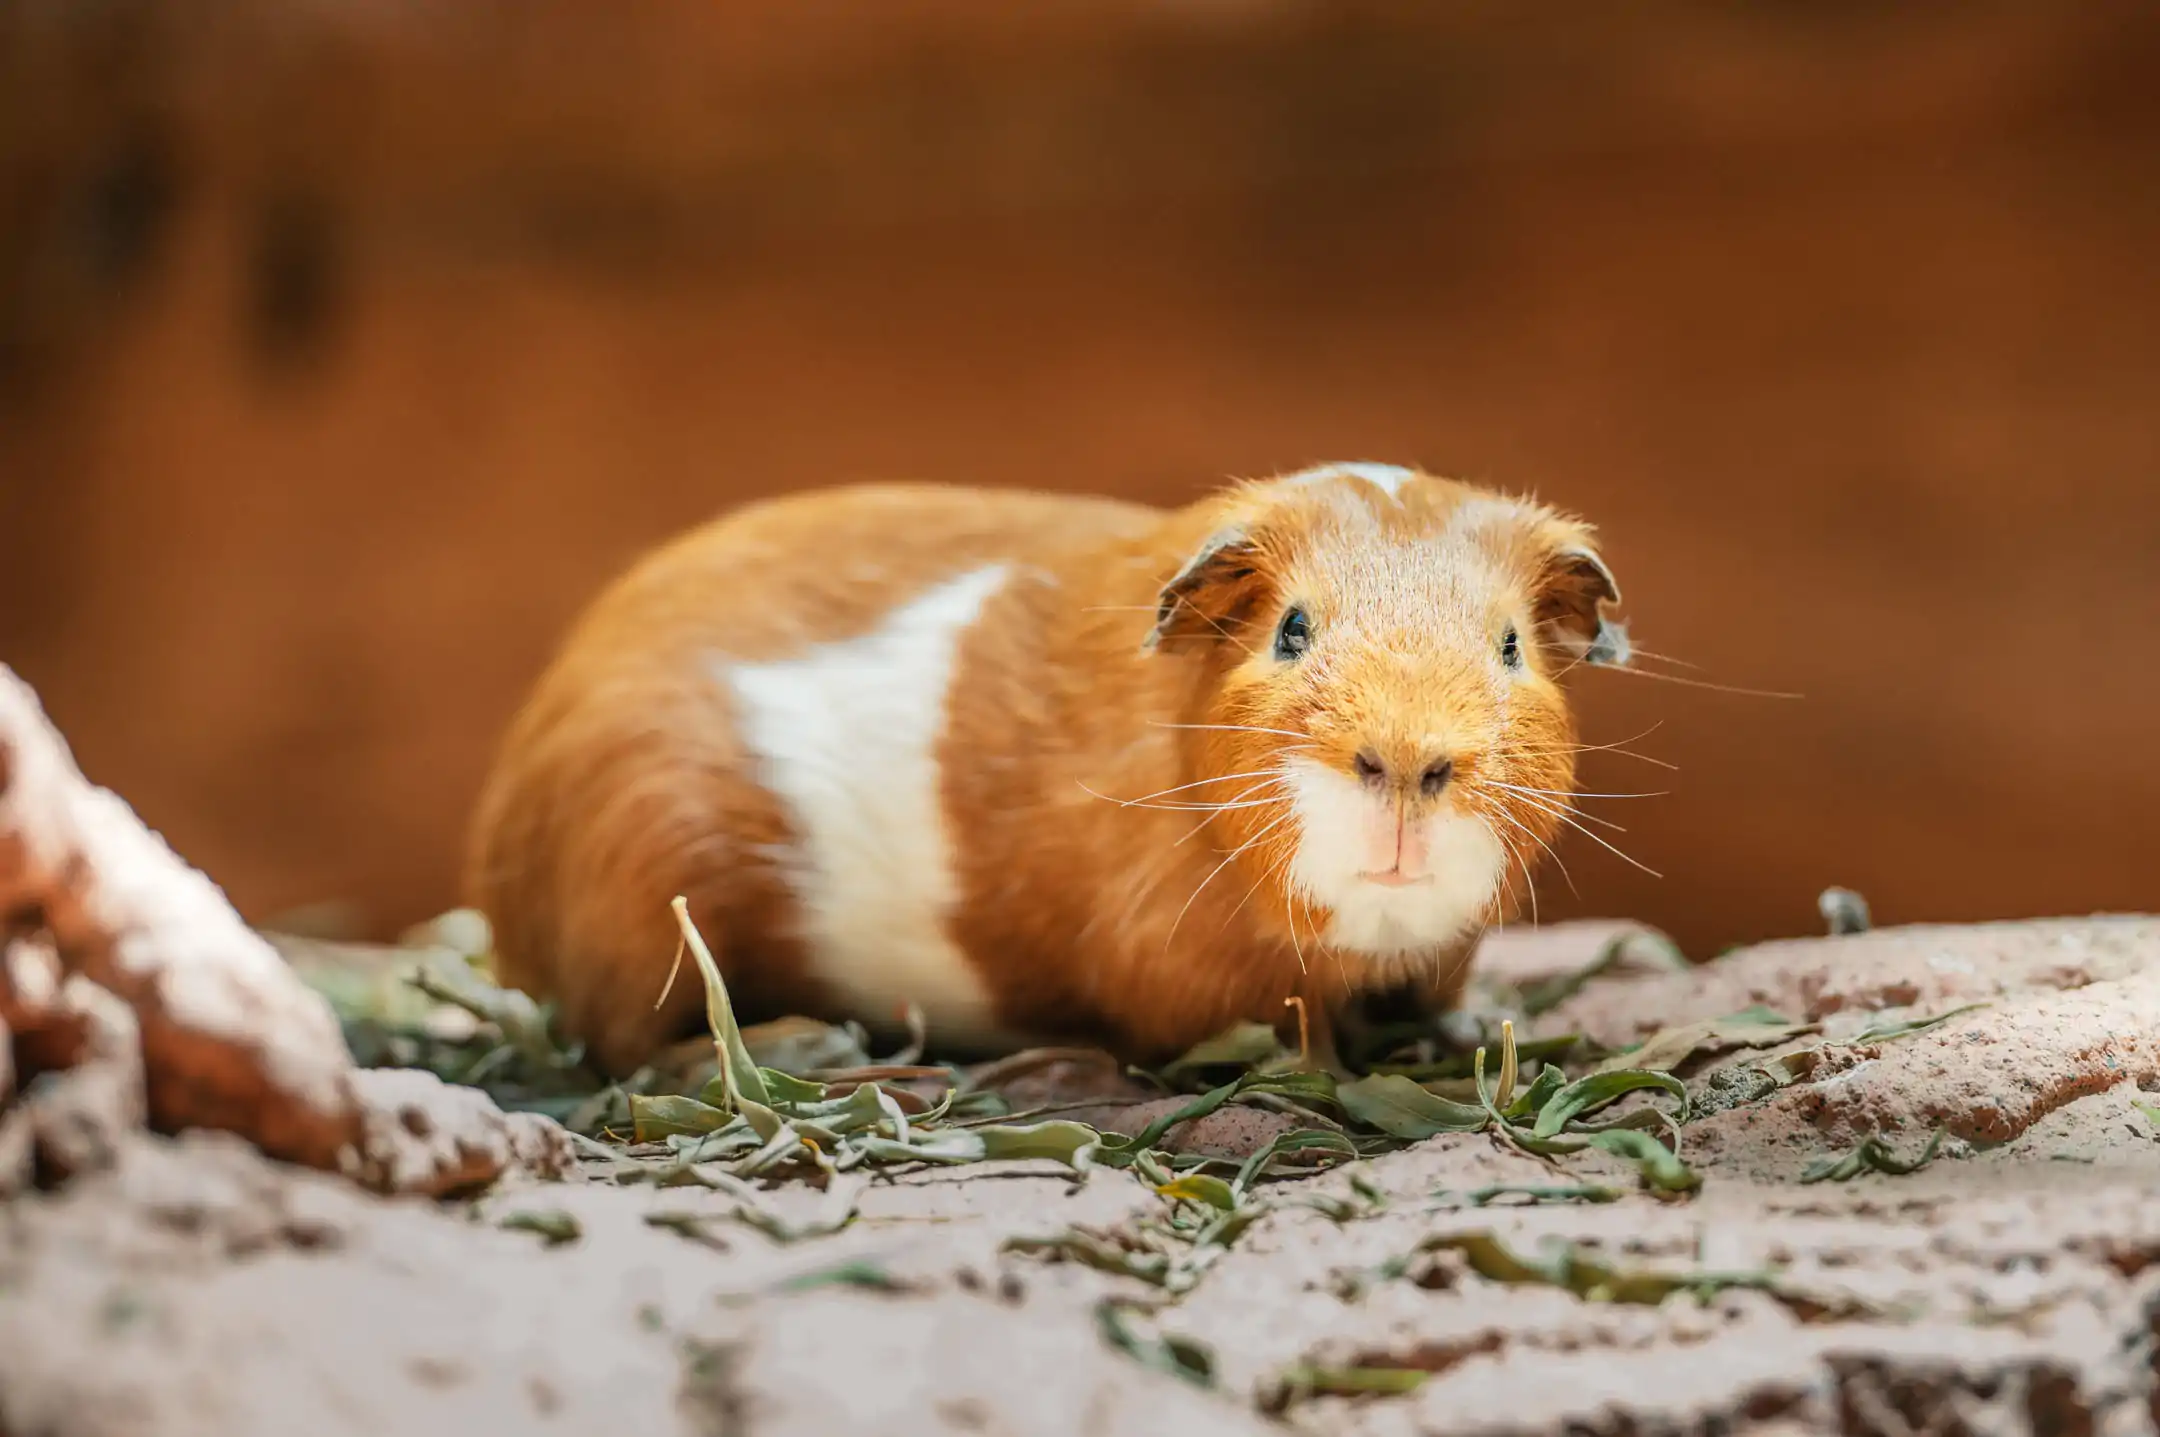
1294	635
1511	648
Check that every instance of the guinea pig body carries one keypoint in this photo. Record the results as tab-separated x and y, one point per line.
1049	768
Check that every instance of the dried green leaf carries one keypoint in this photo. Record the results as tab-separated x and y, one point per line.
1883	1032
797	1045
782	1090
1105	1252
1070	1143
1402	1109
657	1117
1200	1188
738	1073
2151	1112
1181	1357
860	1273
1245	1045
1659	1165
1587	1095
1536	1193
524	1024
554	1225
1532	1100
1872	1155
1119	1150
1307	1088
1301	1382
1566	1266
1668	1048
1297	1140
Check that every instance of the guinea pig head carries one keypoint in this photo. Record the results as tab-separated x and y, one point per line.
1381	711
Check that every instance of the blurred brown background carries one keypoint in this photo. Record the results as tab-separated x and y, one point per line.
345	349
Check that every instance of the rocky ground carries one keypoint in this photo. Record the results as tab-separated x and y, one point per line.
2005	1287
444	1268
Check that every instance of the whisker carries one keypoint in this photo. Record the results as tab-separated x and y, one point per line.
1696	683
1194	805
1555	857
1290	916
1166	792
1546	808
1619	747
1202	826
1594	838
1642	653
1275	872
1218	868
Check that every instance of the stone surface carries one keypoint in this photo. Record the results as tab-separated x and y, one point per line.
2011	1286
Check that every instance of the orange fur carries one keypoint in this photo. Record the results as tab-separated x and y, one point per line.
1086	680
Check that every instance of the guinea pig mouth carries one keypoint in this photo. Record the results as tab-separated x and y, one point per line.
1396	878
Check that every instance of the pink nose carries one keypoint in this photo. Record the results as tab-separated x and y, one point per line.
1374	772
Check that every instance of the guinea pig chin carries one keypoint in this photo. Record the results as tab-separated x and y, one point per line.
1390	886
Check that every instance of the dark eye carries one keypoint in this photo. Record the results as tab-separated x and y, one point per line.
1511	648
1294	636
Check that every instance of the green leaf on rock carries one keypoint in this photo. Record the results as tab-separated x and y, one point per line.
1402	1109
1659	1165
1669	1048
1872	1155
656	1117
1587	1095
1880	1031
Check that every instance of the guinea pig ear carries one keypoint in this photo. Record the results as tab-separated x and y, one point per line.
1211	592
1574	593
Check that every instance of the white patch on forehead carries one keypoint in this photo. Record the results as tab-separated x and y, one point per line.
1464	860
1389	478
847	736
1480	512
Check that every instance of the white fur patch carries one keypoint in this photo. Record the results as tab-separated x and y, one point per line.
1463	862
1387	477
848	736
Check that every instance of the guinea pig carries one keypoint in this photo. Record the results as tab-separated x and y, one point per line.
1049	768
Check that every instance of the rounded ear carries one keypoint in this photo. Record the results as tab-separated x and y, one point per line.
1575	590
1216	588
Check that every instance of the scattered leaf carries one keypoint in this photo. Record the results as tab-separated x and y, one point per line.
1297	1140
1181	1357
1659	1165
1668	1048
1872	1155
1536	1193
554	1225
739	1074
861	1273
1883	1032
1532	1100
1592	1279
1302	1382
1246	1045
1403	1109
658	1117
1200	1188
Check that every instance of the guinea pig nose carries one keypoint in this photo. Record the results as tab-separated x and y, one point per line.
1436	776
1370	770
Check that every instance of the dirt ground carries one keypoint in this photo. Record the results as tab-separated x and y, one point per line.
2008	1286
